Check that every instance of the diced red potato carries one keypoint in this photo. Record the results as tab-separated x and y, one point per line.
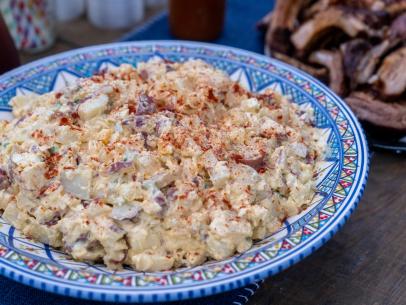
93	107
117	166
4	179
145	104
125	211
77	182
252	158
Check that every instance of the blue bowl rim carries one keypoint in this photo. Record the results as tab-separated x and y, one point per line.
203	289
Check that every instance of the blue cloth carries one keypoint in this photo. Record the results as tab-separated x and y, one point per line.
239	26
239	31
18	294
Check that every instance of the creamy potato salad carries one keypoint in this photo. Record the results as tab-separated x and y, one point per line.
156	167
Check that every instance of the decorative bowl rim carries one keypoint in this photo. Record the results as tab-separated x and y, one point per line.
202	288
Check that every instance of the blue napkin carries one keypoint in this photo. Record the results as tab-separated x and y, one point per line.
19	294
239	31
239	26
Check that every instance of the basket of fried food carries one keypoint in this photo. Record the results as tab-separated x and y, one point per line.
357	47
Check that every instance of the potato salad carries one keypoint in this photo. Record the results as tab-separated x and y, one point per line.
156	167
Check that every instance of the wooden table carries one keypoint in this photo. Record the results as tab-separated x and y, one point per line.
364	264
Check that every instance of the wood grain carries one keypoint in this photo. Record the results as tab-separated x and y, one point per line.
364	263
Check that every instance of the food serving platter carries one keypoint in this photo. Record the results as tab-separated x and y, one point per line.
341	179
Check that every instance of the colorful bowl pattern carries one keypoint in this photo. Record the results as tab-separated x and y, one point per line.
341	181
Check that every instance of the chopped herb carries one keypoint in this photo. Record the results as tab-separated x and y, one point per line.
53	150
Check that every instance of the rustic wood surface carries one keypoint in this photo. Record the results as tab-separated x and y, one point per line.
363	264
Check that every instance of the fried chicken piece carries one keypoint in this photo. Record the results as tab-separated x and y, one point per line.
368	108
282	24
392	73
311	31
333	61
